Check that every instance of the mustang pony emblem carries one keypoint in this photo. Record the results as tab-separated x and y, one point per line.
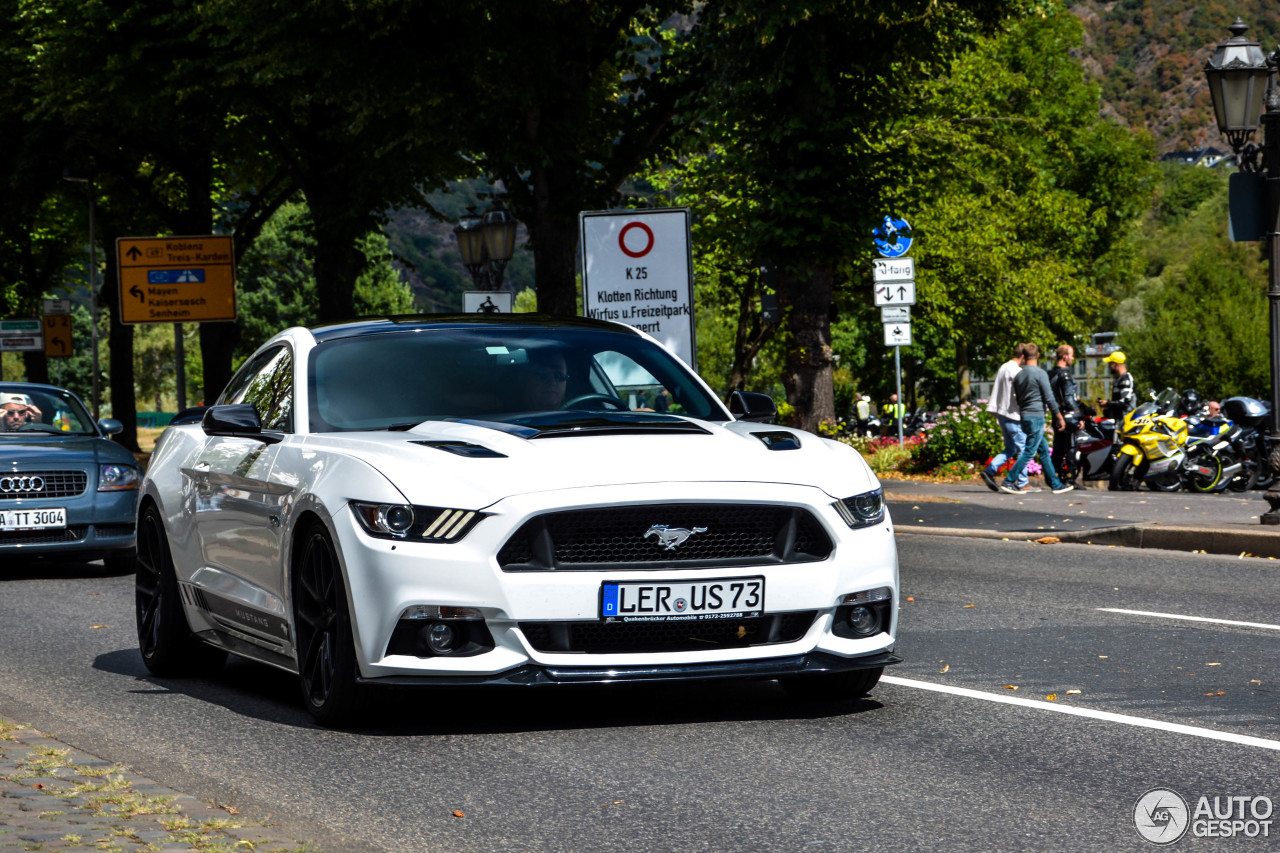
670	537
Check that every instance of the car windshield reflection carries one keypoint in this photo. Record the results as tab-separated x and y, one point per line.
533	377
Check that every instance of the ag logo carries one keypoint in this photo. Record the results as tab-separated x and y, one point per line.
1161	816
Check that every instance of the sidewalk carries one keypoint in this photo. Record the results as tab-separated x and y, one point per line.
1181	521
54	797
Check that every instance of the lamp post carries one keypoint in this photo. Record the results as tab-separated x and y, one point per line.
486	244
93	290
1241	81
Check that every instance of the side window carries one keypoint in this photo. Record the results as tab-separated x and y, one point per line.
267	383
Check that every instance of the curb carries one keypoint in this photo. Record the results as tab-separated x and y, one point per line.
1244	542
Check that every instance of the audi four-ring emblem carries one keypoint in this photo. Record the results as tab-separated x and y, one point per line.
12	485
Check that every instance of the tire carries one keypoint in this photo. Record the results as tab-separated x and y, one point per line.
832	685
1171	485
1204	484
1245	478
326	650
164	638
1124	476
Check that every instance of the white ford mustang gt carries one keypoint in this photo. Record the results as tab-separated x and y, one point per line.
514	500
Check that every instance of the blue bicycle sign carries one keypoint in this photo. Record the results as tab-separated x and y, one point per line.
892	237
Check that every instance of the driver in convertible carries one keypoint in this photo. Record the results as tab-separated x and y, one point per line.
17	410
543	380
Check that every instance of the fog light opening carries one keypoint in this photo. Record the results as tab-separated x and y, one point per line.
440	637
863	621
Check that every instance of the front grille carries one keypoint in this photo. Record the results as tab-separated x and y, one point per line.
57	484
616	538
42	537
642	637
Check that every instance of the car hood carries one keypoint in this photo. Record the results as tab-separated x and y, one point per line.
470	465
62	450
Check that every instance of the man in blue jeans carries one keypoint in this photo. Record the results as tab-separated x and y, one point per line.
1031	387
1004	405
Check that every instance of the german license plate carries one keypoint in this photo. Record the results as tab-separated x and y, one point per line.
681	601
53	518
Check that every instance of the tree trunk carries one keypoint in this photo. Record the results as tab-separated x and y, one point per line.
217	346
553	234
120	353
807	377
752	334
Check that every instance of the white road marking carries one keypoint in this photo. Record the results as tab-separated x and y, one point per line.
1191	618
1141	722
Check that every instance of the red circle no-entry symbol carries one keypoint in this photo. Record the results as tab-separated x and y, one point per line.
622	240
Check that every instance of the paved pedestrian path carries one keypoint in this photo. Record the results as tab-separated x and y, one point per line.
55	797
1225	523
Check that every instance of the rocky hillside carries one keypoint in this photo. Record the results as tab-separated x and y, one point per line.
1148	56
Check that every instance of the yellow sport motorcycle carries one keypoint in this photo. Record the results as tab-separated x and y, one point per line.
1154	450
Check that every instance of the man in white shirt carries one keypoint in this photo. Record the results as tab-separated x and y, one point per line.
1004	405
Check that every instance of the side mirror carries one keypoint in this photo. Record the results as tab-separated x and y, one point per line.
237	420
749	406
110	426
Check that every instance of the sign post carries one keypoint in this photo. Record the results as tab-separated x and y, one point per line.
637	268
177	280
894	275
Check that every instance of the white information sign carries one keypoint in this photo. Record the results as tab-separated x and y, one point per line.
896	293
487	302
637	268
56	306
21	336
893	269
897	334
895	313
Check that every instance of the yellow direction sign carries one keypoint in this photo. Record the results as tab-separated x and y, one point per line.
176	279
57	335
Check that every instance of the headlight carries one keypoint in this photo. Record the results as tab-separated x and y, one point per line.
114	477
862	510
419	523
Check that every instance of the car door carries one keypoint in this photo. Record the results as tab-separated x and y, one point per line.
239	508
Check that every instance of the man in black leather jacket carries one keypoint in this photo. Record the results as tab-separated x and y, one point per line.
1063	385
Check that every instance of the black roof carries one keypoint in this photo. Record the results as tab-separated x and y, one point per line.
409	322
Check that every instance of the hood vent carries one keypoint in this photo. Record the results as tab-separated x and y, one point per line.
462	448
779	440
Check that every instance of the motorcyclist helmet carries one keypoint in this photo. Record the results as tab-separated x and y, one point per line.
1191	402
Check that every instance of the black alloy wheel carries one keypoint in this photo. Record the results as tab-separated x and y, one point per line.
832	685
326	650
164	637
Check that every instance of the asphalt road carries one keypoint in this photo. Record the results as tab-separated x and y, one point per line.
936	759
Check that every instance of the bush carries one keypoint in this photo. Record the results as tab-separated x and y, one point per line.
963	433
884	455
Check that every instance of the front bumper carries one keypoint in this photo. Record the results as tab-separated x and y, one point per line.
534	675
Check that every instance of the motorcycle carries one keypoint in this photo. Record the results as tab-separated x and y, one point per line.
1154	449
1253	444
1093	446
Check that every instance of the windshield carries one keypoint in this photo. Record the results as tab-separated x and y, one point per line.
514	375
32	409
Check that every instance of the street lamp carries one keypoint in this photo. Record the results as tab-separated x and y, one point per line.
93	290
486	244
1241	81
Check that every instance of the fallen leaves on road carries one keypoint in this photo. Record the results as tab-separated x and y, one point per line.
614	803
945	668
459	813
971	605
1213	664
1219	693
96	627
1011	687
1047	540
1103	657
910	598
1052	697
1073	692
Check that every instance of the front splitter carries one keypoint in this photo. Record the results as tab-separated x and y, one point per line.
535	675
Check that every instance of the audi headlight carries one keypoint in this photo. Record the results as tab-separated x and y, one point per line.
114	477
416	523
862	510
